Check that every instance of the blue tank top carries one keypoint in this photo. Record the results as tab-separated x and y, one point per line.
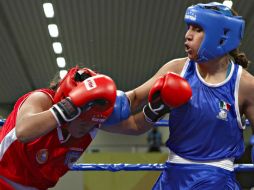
209	126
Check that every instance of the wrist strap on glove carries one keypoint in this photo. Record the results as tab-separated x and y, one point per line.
152	115
65	111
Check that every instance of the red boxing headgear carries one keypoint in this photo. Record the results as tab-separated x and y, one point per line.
72	78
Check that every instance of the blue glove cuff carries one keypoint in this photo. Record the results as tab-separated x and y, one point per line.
121	110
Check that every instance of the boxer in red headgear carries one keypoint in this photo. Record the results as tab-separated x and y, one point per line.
33	135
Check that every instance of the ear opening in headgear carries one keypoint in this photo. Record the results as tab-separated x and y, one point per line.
224	37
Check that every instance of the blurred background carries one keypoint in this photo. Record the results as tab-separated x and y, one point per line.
128	40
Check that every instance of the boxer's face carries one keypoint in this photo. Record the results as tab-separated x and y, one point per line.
78	128
193	40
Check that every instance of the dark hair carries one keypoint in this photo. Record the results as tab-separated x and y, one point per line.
53	85
239	56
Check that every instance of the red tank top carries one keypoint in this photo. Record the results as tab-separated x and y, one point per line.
39	163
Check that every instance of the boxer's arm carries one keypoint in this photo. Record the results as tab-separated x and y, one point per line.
34	118
247	98
138	96
136	123
246	103
38	115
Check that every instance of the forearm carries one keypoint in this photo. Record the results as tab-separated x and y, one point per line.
134	125
141	124
136	102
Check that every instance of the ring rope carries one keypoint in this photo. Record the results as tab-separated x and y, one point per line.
140	167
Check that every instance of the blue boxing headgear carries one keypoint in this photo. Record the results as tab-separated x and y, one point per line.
223	30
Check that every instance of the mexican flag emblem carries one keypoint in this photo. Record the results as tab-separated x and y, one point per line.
224	105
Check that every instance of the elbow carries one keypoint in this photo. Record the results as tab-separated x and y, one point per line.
21	135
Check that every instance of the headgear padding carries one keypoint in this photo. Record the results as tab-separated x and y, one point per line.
223	31
72	78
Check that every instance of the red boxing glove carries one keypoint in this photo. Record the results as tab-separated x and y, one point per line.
101	100
94	95
173	89
169	91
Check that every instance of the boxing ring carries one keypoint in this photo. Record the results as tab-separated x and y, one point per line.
139	166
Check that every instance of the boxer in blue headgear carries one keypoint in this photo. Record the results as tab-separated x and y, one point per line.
223	30
206	103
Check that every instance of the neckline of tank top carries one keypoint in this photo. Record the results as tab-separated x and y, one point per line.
229	73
